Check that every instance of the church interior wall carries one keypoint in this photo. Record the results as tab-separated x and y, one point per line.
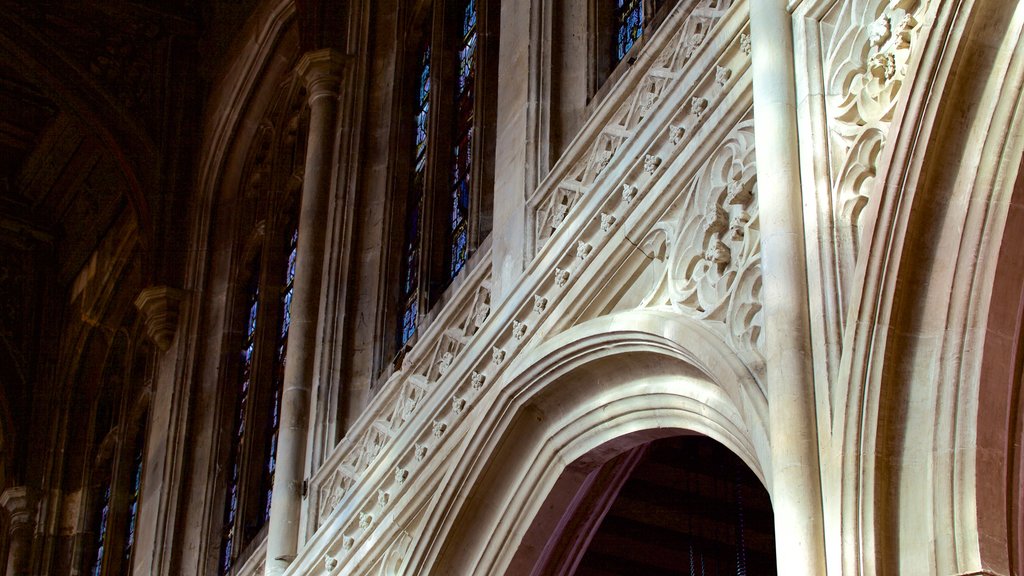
619	285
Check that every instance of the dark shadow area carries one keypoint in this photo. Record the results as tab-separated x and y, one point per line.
689	506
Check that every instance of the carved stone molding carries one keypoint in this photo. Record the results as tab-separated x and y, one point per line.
159	306
20	504
712	267
582	167
865	67
321	70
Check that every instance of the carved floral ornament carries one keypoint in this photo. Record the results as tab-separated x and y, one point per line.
708	251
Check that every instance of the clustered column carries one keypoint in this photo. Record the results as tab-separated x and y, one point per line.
321	72
21	512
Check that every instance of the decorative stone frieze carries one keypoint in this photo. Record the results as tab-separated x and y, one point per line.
611	184
682	37
713	269
458	405
540	303
519	329
865	67
561	277
478	380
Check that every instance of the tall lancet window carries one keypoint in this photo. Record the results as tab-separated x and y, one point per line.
280	356
234	468
134	493
462	157
117	424
103	523
445	175
258	326
410	284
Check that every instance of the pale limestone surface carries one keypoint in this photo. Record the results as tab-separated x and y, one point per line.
798	236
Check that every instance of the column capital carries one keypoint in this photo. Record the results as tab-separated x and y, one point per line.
159	307
321	72
20	504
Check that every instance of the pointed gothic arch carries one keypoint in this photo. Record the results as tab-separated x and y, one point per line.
593	390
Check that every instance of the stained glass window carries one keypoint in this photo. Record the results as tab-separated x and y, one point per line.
280	356
629	24
101	532
234	460
134	489
410	283
462	156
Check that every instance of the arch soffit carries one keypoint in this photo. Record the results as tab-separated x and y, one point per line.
264	55
580	398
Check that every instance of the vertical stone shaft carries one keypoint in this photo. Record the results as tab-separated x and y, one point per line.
20	508
320	70
795	474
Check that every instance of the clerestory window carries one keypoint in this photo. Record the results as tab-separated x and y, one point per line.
620	33
118	422
448	121
257	326
265	317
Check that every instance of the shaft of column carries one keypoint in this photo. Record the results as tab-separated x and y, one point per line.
320	70
19	502
796	478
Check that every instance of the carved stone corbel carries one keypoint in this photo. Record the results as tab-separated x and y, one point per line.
159	306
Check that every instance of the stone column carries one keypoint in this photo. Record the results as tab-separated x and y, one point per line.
795	473
320	70
20	504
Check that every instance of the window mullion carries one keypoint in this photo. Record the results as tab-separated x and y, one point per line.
434	276
486	89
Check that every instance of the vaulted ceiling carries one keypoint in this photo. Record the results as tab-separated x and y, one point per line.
101	107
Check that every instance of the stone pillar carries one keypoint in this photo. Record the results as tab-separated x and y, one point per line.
320	70
514	147
159	307
795	473
20	504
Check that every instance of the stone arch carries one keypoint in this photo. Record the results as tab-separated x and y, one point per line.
598	389
1000	407
914	409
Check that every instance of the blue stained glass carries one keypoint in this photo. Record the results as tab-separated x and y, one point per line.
133	496
629	25
253	309
409	321
248	348
462	152
414	208
225	563
286	321
469	18
97	567
280	360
